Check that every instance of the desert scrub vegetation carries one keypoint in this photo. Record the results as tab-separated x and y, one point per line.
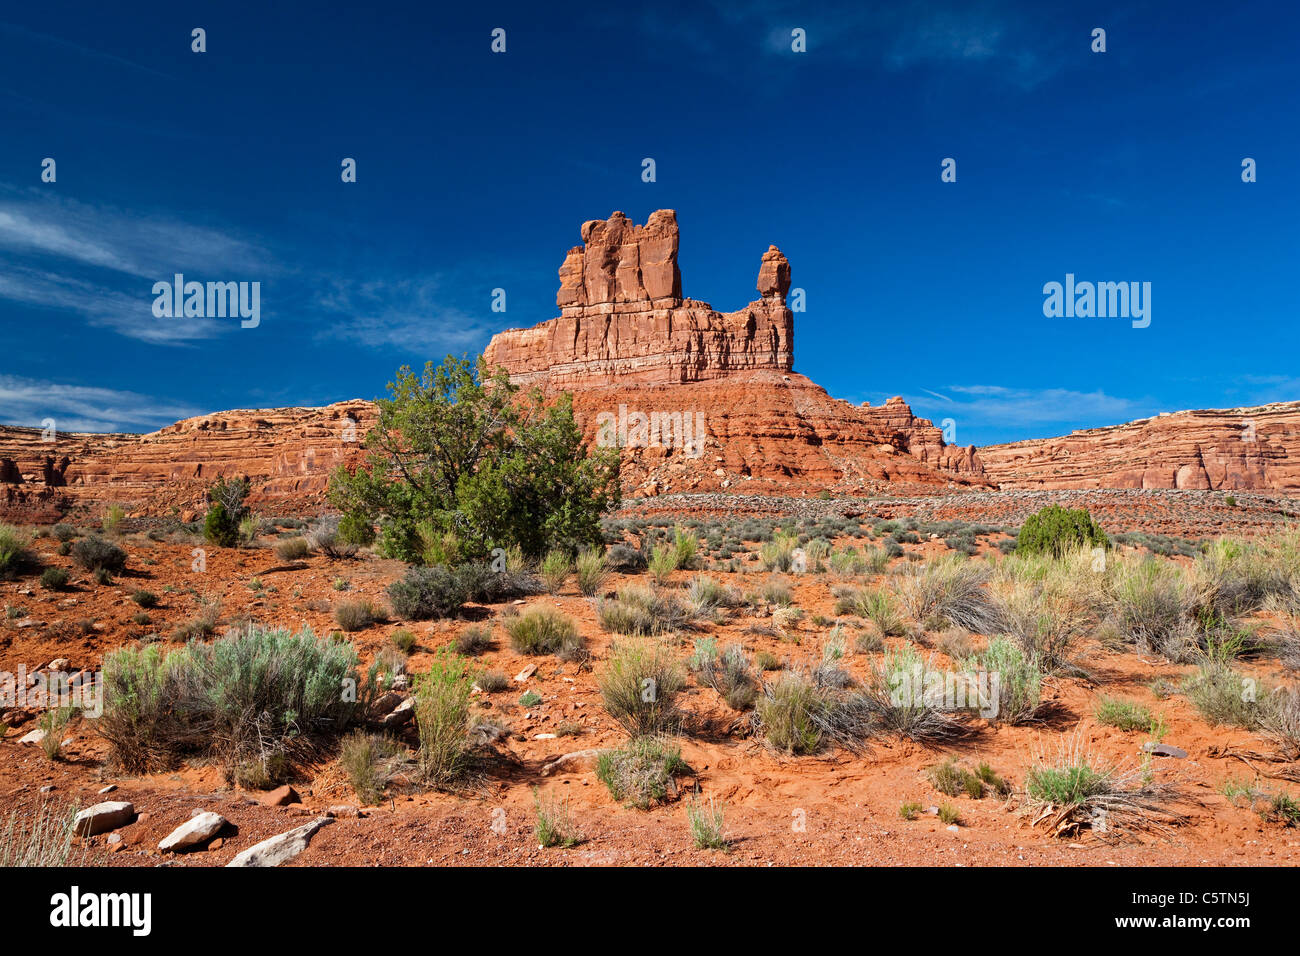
640	611
544	630
728	673
1125	715
1076	790
952	780
874	604
778	554
1056	530
442	696
292	549
1019	680
474	640
14	553
907	695
799	715
707	824
555	570
639	687
226	511
553	822
461	450
54	579
40	837
591	570
93	554
641	772
442	590
949	589
369	760
55	722
707	596
356	615
252	700
1225	697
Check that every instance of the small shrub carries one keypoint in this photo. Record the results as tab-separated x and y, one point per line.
64	532
325	538
555	570
639	611
1055	530
1076	790
1220	695
474	640
93	553
641	773
55	723
685	547
663	562
591	571
639	687
1125	715
367	759
355	615
492	682
554	825
544	630
403	640
145	599
909	811
442	718
292	549
950	589
54	579
948	814
707	825
530	698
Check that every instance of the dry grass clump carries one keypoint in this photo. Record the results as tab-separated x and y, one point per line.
875	604
950	589
554	824
639	687
798	714
545	630
292	549
728	673
42	837
369	760
911	697
641	773
1018	677
640	611
591	569
1076	790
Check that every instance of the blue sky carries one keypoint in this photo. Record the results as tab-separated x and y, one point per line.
476	169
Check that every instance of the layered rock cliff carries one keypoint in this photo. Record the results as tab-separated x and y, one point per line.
1236	449
626	343
623	319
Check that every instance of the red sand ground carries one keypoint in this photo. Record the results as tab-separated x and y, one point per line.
833	809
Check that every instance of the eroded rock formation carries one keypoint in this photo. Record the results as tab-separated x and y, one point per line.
1232	449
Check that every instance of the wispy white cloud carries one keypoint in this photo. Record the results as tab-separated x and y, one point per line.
78	408
404	313
1001	406
100	263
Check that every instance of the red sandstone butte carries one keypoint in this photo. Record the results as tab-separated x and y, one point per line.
644	363
626	343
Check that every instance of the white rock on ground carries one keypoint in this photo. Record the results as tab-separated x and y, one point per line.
103	817
195	831
34	737
282	848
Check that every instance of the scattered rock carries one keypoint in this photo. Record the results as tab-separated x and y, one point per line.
402	713
33	737
572	762
281	797
282	848
1164	750
195	831
103	817
526	673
